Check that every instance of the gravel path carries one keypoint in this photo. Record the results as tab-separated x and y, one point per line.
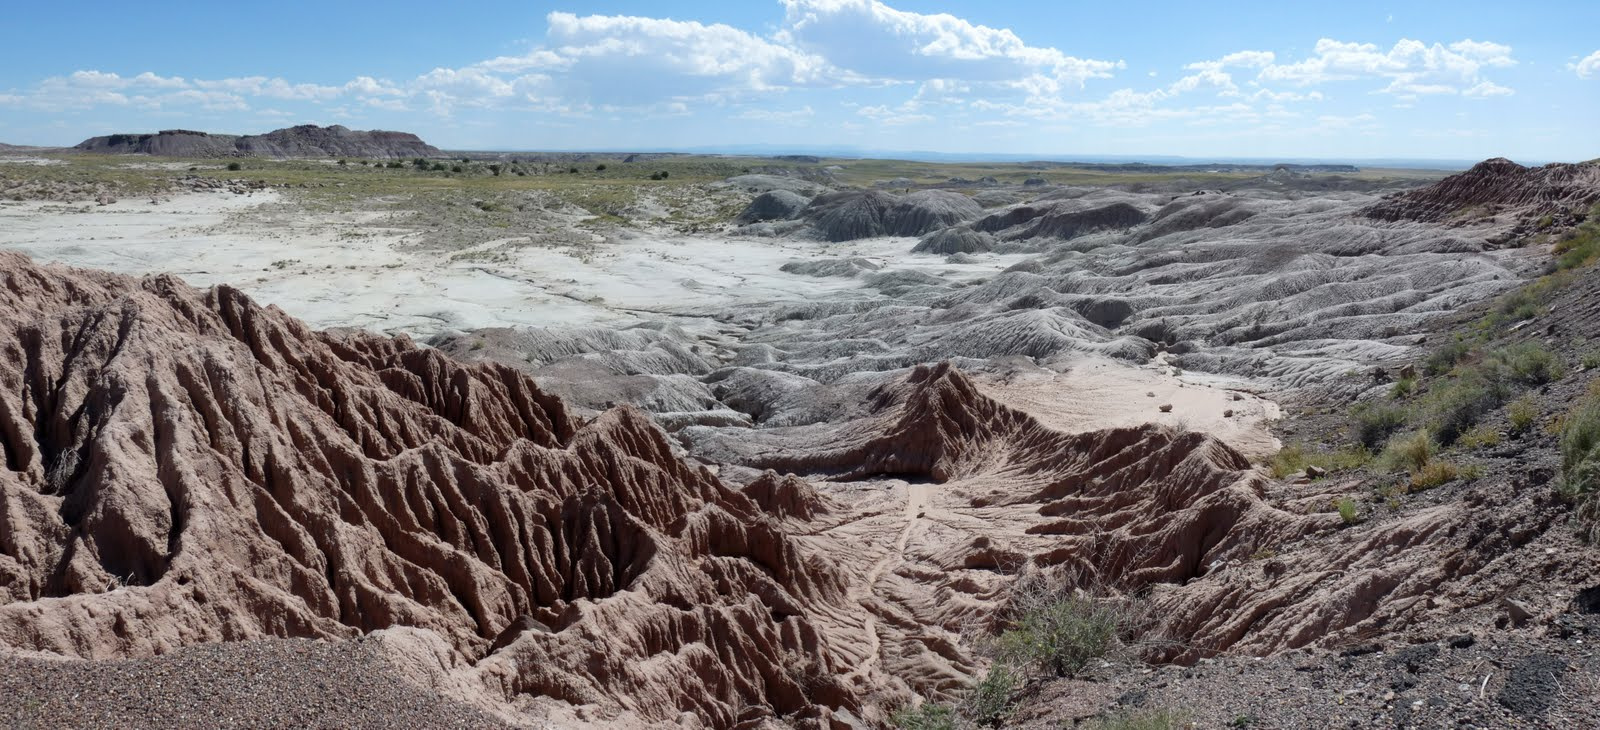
259	684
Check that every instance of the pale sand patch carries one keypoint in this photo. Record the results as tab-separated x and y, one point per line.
1096	393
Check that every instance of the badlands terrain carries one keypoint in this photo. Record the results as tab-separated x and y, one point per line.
412	438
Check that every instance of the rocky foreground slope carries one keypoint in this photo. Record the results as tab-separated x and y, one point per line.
306	140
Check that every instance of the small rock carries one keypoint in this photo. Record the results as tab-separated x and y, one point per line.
1315	472
1165	407
1228	413
1519	612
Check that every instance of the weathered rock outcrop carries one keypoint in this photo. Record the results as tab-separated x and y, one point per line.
306	140
185	466
1557	190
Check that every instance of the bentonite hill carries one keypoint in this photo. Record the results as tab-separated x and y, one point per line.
777	446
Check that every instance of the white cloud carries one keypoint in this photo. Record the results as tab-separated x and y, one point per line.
878	42
882	114
791	116
1589	67
1411	67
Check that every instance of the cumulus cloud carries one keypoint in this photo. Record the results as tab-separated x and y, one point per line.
878	42
1589	67
1411	67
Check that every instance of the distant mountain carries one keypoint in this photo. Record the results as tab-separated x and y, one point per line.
306	140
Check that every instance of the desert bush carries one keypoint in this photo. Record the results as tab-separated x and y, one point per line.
495	169
437	167
1347	510
1433	474
1580	463
989	701
1522	413
1294	458
599	168
1402	388
926	716
1058	630
1528	363
455	168
1454	407
1580	247
1410	452
1444	359
1155	719
1374	423
235	167
1479	438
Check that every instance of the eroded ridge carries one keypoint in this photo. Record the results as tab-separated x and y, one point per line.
184	466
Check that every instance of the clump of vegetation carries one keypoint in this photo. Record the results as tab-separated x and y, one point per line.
1434	474
1347	510
1154	719
1529	363
235	167
1580	247
1294	458
1058	630
660	175
1479	438
1444	359
600	168
1410	453
1522	413
926	716
1403	388
1374	423
1580	463
990	700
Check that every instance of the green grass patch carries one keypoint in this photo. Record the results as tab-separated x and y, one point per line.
1151	719
1580	463
926	716
1294	458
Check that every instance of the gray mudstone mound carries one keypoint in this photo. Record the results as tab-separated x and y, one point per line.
955	240
773	205
767	183
851	214
830	267
926	211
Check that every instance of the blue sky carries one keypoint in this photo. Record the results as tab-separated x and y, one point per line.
1448	80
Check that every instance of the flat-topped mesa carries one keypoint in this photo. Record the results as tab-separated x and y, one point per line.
306	140
184	466
1557	192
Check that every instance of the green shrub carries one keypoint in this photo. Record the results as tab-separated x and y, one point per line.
1294	458
1445	358
1454	407
1522	413
599	168
1591	360
455	168
1479	438
1374	423
1157	719
1054	629
990	699
926	716
1580	247
1347	511
1402	388
1410	453
1432	475
235	167
1529	363
1580	463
